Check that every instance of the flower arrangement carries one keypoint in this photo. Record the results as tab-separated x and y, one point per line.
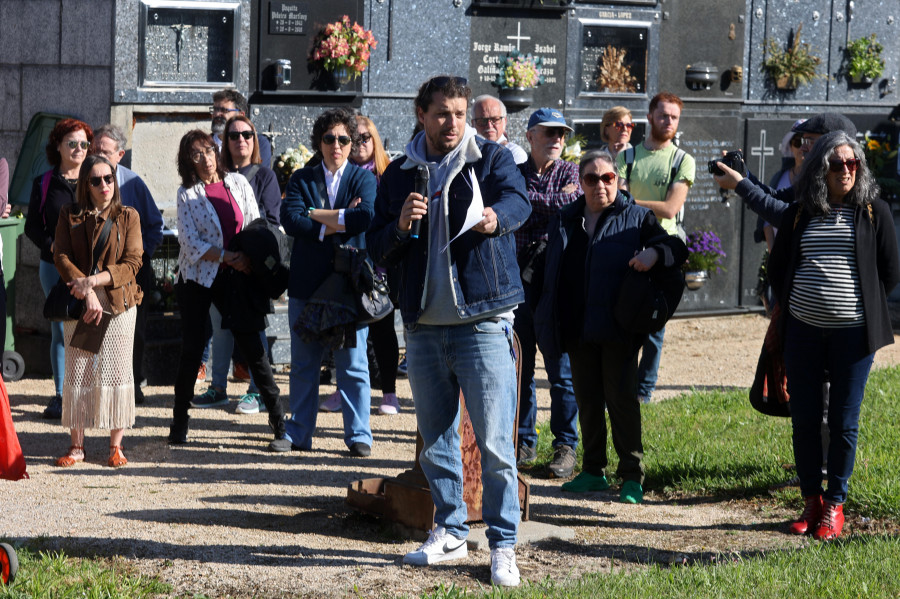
291	160
342	45
519	70
865	61
574	149
881	158
792	67
704	252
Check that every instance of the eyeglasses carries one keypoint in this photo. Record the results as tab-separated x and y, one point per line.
235	135
807	142
591	179
837	166
74	143
328	139
483	121
96	181
365	137
622	126
197	157
222	110
797	142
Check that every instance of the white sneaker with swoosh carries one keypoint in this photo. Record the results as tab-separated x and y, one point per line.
441	546
504	571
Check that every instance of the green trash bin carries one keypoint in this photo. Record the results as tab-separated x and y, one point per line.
10	229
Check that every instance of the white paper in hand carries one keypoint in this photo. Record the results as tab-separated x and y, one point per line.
475	213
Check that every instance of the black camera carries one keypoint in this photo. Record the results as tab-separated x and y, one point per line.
733	160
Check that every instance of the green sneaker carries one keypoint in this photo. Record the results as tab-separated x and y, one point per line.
212	398
251	403
585	483
632	492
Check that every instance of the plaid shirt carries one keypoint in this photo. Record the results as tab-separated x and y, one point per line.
546	197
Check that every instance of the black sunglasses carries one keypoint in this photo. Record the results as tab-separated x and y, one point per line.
796	141
235	135
591	179
329	138
365	137
96	181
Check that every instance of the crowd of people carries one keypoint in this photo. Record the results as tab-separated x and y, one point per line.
479	241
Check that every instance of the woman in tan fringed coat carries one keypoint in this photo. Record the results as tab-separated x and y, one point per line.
98	390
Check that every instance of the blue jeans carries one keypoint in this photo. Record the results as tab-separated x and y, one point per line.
222	348
49	276
648	368
352	367
809	352
563	407
477	359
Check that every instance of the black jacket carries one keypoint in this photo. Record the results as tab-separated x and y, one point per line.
40	225
877	263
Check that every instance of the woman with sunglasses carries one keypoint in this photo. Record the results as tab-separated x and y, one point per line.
324	206
99	387
370	155
213	207
66	150
615	130
593	243
833	264
240	153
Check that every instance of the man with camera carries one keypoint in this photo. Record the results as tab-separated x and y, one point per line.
658	175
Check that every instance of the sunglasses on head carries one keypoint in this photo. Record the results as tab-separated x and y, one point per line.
837	166
328	139
442	81
622	126
591	179
235	135
74	143
97	181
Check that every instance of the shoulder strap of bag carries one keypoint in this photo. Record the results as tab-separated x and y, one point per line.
252	172
101	243
677	159
629	162
45	187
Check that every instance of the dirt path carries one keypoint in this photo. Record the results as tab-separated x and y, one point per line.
221	516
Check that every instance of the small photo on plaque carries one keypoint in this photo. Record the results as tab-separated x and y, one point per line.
614	58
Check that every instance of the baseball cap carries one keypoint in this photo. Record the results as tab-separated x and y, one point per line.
548	118
826	122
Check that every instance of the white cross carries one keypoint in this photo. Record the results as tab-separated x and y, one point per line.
762	150
518	37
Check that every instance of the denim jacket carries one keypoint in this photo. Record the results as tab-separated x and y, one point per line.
483	268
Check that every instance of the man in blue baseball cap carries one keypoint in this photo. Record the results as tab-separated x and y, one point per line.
551	183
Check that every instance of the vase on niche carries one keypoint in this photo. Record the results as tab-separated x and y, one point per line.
517	97
695	279
339	78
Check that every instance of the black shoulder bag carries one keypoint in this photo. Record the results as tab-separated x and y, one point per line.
61	305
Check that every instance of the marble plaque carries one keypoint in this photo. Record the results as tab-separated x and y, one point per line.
614	57
288	18
189	44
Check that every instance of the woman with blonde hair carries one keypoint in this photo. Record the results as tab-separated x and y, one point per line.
615	130
99	387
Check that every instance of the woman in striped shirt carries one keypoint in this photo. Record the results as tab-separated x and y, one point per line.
833	263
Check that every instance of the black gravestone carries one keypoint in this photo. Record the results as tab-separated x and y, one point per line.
287	31
189	45
613	58
497	33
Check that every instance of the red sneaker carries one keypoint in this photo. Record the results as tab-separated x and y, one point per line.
810	517
832	522
201	372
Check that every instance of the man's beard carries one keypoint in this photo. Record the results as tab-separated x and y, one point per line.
218	125
660	135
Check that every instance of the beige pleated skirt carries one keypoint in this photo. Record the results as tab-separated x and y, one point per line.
98	389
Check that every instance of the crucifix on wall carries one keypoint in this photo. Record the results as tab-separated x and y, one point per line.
518	37
762	150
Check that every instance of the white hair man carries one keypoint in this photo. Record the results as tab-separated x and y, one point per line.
489	119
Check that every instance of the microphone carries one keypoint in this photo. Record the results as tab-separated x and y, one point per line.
422	190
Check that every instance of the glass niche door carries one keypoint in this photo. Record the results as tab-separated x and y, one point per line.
614	58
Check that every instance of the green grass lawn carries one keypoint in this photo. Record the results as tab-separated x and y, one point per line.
709	444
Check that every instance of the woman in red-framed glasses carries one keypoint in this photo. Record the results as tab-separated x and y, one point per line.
832	266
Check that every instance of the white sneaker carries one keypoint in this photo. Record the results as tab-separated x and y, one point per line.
441	546
389	404
332	404
504	572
